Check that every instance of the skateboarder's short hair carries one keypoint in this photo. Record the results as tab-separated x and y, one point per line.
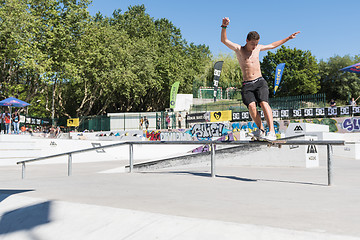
253	35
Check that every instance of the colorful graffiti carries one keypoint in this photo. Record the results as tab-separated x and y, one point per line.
205	148
206	131
251	126
152	135
351	124
175	136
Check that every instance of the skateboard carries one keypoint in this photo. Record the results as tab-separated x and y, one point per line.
275	143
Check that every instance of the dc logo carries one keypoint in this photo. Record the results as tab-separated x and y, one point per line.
217	72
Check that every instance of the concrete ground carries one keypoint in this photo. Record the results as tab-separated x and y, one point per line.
182	202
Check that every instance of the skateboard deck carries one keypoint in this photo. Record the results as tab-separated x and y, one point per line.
275	143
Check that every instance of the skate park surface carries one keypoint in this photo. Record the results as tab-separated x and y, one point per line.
181	202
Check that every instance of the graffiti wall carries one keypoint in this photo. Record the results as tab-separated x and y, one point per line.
226	131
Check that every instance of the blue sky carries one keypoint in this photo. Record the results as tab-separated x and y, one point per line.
328	27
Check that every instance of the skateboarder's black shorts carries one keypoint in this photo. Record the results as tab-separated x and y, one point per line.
255	91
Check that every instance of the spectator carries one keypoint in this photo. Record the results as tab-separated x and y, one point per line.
7	122
146	121
158	123
2	123
167	121
332	103
353	102
141	123
179	120
16	121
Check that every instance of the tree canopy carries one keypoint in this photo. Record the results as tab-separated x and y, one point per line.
301	73
337	84
55	52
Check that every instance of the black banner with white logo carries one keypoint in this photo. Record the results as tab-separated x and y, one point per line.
303	113
217	71
197	117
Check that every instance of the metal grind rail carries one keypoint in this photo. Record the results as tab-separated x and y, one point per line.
328	143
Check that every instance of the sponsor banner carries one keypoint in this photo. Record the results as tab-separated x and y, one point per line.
344	110
73	122
236	116
276	113
173	94
319	112
284	113
37	121
245	116
217	71
197	117
278	74
331	111
355	110
296	113
325	112
221	116
308	112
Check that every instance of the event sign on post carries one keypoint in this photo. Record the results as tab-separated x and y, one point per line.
278	74
217	71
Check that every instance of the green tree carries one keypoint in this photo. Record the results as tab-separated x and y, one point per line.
301	73
337	84
19	53
67	63
231	75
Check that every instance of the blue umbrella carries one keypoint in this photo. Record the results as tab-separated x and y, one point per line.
13	102
353	68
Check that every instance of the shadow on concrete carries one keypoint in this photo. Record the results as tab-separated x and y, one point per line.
237	178
4	193
295	182
202	174
25	218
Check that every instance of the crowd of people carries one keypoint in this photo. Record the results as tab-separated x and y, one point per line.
6	120
169	121
352	102
10	124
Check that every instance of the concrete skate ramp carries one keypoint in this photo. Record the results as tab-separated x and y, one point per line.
245	155
201	157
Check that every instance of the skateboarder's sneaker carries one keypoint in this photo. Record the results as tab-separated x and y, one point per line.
271	136
257	134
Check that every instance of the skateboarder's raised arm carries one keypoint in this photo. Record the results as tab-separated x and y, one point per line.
224	39
278	43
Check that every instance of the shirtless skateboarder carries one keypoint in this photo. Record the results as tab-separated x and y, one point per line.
255	89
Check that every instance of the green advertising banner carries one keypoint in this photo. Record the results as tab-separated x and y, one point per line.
173	93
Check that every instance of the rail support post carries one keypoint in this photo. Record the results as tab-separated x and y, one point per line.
70	164
23	168
131	157
329	167
213	160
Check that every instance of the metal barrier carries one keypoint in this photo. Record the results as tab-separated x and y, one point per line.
131	144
